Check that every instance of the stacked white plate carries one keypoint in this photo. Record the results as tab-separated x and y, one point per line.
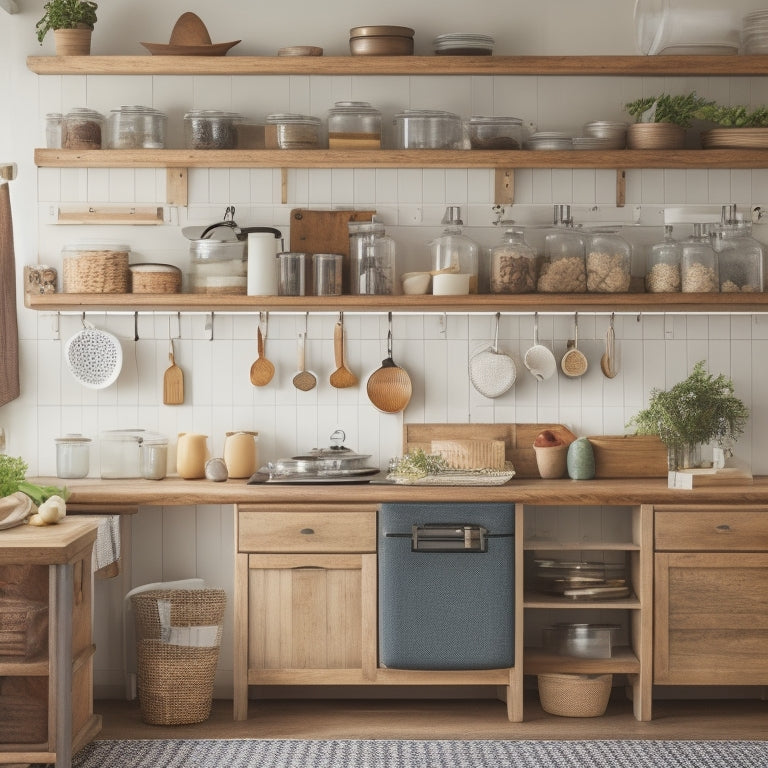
550	140
463	44
754	32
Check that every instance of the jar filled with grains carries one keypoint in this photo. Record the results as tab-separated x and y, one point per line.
663	273
289	131
699	263
82	128
211	129
513	264
608	262
564	269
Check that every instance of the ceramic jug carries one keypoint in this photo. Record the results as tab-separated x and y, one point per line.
241	453
191	455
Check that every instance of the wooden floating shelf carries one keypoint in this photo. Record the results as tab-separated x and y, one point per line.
399	65
623	661
518	303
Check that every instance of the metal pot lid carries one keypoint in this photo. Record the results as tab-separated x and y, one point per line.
337	451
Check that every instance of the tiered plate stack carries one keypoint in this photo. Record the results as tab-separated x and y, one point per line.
463	44
754	32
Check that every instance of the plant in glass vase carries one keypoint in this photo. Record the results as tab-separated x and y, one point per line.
72	23
697	411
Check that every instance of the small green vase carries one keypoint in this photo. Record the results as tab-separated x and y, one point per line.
581	460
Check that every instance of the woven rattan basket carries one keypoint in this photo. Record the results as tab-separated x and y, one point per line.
175	681
155	278
96	268
574	695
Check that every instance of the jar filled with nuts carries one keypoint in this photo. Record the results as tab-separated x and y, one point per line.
663	273
514	266
699	263
564	269
609	258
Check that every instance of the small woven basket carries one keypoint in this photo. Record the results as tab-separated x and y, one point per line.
175	681
574	695
94	269
155	278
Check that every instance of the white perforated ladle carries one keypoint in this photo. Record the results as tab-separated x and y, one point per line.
539	359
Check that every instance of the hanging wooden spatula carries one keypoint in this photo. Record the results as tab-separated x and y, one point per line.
173	382
342	377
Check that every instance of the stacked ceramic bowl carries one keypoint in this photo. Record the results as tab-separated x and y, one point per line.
754	32
549	140
602	134
381	41
463	44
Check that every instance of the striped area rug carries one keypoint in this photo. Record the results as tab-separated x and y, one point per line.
258	753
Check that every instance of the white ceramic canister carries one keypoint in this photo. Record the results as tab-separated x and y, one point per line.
241	453
262	264
191	455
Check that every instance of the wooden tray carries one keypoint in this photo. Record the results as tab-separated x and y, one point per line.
518	439
629	456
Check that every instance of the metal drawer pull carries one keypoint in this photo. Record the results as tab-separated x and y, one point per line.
723	528
307	531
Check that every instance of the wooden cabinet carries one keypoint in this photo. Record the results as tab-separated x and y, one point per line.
46	699
305	596
711	596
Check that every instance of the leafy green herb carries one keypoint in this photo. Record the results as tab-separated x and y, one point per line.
735	117
665	108
12	472
418	464
41	493
66	14
700	409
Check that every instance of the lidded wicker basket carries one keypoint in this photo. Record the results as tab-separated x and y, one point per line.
95	268
574	695
155	278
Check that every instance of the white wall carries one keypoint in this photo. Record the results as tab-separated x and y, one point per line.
654	350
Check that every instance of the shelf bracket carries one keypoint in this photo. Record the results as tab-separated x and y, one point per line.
176	186
504	186
621	188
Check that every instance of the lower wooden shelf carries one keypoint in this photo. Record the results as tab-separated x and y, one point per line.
623	661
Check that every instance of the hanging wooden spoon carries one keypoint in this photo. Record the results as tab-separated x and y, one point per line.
608	360
303	380
342	377
262	369
173	382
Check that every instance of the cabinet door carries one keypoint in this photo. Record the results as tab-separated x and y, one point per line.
711	619
311	618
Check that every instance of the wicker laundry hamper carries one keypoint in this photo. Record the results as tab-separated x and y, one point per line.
178	636
574	695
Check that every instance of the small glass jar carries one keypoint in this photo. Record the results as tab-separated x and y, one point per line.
327	273
699	263
739	257
219	266
427	129
72	456
211	129
372	259
564	269
663	274
495	132
292	131
153	457
354	125
135	127
453	251
291	280
82	128
608	262
514	267
53	125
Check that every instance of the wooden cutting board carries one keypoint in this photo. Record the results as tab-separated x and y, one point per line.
629	456
518	439
315	231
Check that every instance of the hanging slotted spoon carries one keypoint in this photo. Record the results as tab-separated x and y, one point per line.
173	381
491	372
303	380
574	362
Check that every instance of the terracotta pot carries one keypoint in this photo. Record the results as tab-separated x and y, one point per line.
552	461
73	42
655	136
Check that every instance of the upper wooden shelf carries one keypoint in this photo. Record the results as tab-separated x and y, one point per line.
399	158
399	65
524	303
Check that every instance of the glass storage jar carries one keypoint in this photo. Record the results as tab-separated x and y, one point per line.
291	279
453	251
219	266
291	131
564	269
699	263
327	273
663	272
427	129
72	456
495	132
136	127
153	457
82	128
608	261
53	124
371	259
739	256
354	125
211	129
514	265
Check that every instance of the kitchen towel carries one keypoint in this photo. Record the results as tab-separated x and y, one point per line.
9	330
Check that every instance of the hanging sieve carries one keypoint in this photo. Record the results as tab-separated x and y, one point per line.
491	372
94	357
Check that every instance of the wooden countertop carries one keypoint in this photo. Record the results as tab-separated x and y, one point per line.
174	491
47	544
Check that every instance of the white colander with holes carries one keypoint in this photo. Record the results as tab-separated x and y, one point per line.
94	357
491	372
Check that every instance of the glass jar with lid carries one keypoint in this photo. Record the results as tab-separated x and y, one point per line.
136	127
354	125
427	129
608	261
564	269
72	456
219	266
663	272
82	128
211	129
453	251
740	256
495	132
514	265
292	131
371	259
699	263
53	124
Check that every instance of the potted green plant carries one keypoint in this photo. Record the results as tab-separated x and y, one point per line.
661	121
72	23
699	410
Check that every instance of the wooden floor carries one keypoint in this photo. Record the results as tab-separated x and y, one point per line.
445	719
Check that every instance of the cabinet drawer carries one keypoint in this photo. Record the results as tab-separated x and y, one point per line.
315	528
721	529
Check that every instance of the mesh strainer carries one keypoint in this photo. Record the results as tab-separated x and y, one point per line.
94	357
491	372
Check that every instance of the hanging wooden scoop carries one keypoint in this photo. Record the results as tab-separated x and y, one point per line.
342	377
389	387
262	369
303	380
173	382
608	360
